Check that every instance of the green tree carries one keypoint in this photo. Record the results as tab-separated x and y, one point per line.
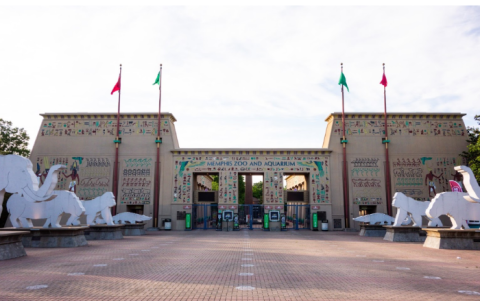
472	155
215	183
257	190
13	140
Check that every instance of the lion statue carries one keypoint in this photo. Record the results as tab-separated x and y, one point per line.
99	207
415	209
455	206
24	211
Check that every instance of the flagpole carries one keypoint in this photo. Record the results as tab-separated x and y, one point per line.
158	141
345	182
387	161
117	143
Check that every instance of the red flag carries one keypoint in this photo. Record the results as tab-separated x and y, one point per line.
117	86
384	80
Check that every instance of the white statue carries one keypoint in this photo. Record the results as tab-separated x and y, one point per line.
470	183
455	205
129	217
410	207
17	177
99	207
22	210
375	218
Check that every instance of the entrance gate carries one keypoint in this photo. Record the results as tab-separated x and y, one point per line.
204	216
298	216
250	216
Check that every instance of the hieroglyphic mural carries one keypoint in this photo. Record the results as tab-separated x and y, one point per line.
136	180
366	176
423	177
272	167
400	127
103	127
88	177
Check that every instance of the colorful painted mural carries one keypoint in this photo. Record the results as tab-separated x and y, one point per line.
400	127
272	167
422	178
366	178
103	127
88	177
136	180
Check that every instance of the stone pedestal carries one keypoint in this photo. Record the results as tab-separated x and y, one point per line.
11	244
452	239
372	230
404	234
275	226
104	232
227	226
134	229
65	237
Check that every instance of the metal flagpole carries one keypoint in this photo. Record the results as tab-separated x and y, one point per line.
158	141
117	143
386	141
346	210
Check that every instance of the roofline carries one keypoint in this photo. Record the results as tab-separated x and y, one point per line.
326	150
124	114
347	114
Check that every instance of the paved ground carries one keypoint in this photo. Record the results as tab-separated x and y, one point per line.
244	265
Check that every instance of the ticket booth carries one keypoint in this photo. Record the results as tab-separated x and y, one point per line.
274	218
227	220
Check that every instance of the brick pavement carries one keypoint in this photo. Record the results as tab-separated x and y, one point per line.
243	265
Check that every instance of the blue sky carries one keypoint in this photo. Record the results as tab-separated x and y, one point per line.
238	76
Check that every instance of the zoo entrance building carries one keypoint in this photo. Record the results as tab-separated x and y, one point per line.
423	148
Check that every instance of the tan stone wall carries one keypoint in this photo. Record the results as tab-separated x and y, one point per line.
204	182
419	143
84	142
296	182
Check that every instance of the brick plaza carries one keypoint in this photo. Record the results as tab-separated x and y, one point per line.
243	265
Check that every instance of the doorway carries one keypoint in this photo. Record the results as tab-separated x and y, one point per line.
250	200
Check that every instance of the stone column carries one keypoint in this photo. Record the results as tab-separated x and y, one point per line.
248	190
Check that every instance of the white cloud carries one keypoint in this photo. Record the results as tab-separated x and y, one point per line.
238	76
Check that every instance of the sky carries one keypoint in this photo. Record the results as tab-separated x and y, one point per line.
238	76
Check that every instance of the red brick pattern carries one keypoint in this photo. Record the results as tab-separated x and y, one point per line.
243	265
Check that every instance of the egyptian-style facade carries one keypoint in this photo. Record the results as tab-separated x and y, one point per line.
423	149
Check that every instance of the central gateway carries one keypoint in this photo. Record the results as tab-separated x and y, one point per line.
230	164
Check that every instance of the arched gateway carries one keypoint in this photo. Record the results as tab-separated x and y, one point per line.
423	147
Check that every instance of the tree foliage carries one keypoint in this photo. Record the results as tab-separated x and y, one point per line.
472	155
257	190
13	140
215	183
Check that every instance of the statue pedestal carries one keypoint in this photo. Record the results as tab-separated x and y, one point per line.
104	232
11	244
404	234
452	239
133	229
65	237
372	230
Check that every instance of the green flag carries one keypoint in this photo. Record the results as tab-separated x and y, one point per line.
157	81
343	81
